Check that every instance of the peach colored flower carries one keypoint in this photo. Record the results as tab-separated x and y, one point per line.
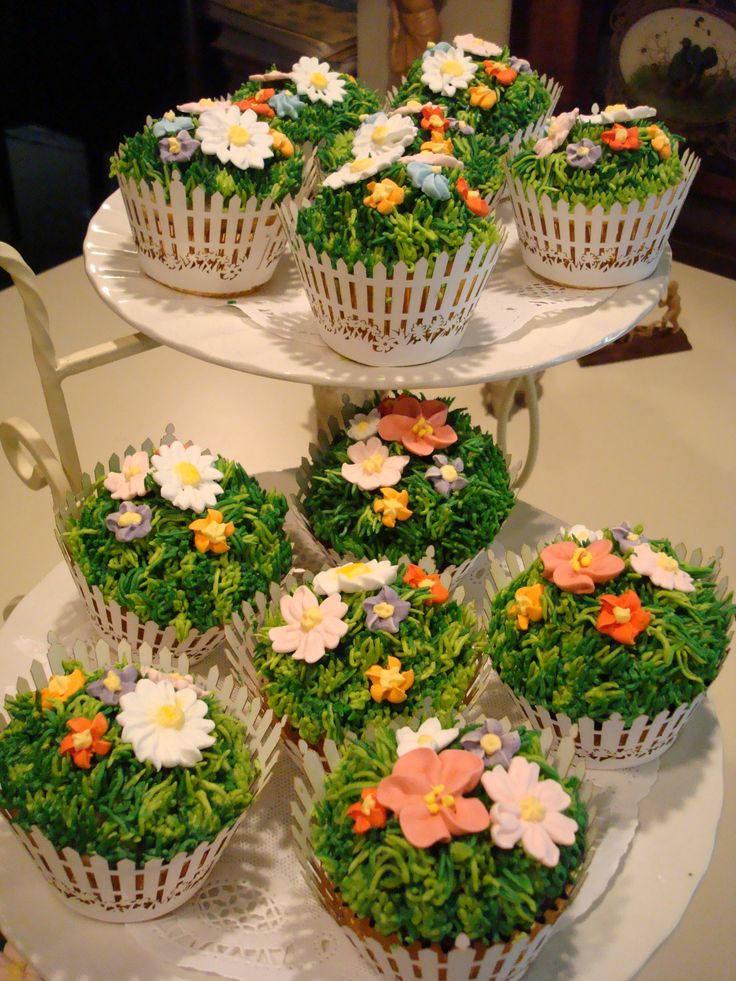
425	791
576	569
61	687
384	196
390	683
420	425
130	482
393	507
211	533
312	628
482	96
372	467
528	605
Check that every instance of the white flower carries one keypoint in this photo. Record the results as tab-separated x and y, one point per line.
477	46
179	681
312	628
429	735
314	79
381	134
372	466
582	534
358	170
355	577
530	810
186	476
363	425
235	137
202	104
164	726
662	569
618	113
447	71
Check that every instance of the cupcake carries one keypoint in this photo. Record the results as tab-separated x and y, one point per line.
596	197
447	850
615	633
396	247
200	186
164	545
125	783
402	475
360	644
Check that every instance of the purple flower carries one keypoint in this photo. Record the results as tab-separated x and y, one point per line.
115	683
491	743
583	154
177	149
386	610
627	538
445	477
131	521
465	129
521	65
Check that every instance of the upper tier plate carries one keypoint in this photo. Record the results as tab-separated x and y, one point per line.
273	333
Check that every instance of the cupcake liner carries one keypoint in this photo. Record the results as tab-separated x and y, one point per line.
124	893
584	247
205	247
611	744
387	955
397	319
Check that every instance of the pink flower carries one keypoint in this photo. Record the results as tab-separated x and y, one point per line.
311	628
131	482
662	569
420	426
576	569
372	466
529	810
558	128
425	791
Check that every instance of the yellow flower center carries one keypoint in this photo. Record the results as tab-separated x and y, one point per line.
310	619
368	804
174	145
621	614
360	164
238	135
667	563
131	470
392	505
426	583
362	427
620	134
82	740
391	678
581	559
436	122
187	473
112	682
129	518
632	537
169	717
206	102
490	743
379	135
531	809
583	151
437	798
422	428
373	463
523	604
452	67
215	531
354	569
414	105
170	115
448	472
318	80
424	740
383	610
615	108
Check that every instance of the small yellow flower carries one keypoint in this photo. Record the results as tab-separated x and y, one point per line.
391	682
393	507
282	143
528	606
211	533
660	142
384	196
482	96
439	145
61	687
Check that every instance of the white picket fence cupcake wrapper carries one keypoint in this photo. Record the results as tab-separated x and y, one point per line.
499	962
397	319
612	744
125	893
584	247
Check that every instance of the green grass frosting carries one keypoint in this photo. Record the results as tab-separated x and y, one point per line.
441	643
341	515
162	577
119	808
434	894
565	664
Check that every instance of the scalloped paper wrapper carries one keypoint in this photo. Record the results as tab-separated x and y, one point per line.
396	319
586	247
609	745
242	641
124	893
386	955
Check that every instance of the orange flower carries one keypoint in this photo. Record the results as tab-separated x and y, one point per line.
282	143
390	683
482	96
257	103
61	687
417	578
367	812
393	506
384	196
85	740
621	138
433	118
503	74
438	145
528	605
210	533
622	617
473	201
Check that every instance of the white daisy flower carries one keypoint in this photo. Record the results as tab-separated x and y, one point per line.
477	46
380	134
363	424
358	170
314	79
582	533
186	476
164	726
355	577
618	113
447	71
235	137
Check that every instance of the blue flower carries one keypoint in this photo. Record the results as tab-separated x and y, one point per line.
521	65
429	180
171	124
286	104
440	46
